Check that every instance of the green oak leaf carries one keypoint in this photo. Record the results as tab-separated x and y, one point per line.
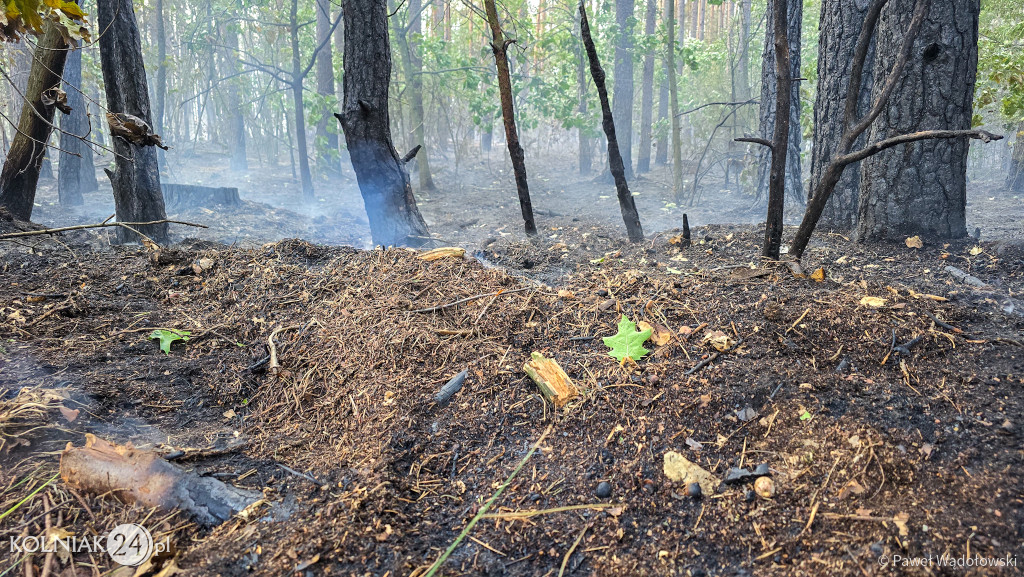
628	342
167	337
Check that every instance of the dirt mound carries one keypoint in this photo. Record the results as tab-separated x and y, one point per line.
889	426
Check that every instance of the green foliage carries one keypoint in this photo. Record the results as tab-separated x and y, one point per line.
999	90
26	17
628	342
167	337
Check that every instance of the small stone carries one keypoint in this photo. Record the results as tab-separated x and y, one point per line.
749	496
1007	426
762	470
602	293
608	304
607	457
765	487
604	490
693	490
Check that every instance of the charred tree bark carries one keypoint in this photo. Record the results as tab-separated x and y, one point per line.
326	139
626	204
921	188
769	82
136	180
622	90
20	173
499	45
383	179
780	138
76	175
643	162
843	20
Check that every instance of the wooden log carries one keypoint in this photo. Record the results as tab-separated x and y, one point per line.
144	477
180	196
554	384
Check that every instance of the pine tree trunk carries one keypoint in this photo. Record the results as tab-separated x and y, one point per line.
500	46
920	188
622	90
643	162
843	19
20	173
326	139
626	204
794	186
383	179
781	39
1015	176
743	63
76	175
136	180
297	103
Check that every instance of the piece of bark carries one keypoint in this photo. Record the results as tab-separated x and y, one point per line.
554	384
966	278
145	478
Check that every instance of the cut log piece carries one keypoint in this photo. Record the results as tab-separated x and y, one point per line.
181	196
554	384
145	478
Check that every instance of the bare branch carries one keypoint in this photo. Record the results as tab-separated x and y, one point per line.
104	224
881	145
761	141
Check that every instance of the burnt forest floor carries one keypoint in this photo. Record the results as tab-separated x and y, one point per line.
890	427
876	450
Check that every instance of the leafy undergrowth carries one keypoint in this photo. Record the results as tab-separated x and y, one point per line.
878	444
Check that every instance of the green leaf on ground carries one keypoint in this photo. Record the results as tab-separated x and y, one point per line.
628	342
167	337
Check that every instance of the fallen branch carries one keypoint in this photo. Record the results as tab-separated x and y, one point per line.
273	367
143	477
711	359
944	325
966	278
104	224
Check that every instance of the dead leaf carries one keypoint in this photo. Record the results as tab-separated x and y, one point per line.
229	414
901	522
818	275
562	293
873	302
694	444
660	335
69	414
926	450
914	242
133	129
852	487
747	414
975	251
719	340
704	400
56	97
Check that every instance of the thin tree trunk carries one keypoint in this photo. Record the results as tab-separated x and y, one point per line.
643	163
844	20
626	204
794	187
1015	176
236	113
414	77
326	139
136	180
673	98
20	173
76	174
743	64
780	139
585	144
300	108
661	147
500	47
160	94
622	90
921	188
383	179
